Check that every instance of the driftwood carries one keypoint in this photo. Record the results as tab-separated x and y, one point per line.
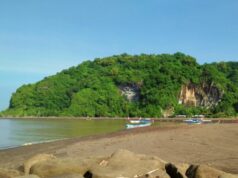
150	172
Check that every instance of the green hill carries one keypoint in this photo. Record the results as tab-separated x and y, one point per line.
139	85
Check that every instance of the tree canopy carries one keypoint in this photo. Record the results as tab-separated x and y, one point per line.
93	88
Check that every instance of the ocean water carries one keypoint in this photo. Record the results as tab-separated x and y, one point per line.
18	132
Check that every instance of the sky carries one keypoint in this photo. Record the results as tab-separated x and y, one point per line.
41	37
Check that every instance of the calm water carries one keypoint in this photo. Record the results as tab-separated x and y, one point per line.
17	132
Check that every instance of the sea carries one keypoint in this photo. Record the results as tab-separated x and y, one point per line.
21	132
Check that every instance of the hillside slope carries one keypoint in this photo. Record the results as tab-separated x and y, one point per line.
126	85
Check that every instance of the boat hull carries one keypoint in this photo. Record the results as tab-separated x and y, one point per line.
131	126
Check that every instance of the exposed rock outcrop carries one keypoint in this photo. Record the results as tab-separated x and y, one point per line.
131	92
121	164
8	173
228	176
36	159
203	171
68	176
64	166
29	176
205	95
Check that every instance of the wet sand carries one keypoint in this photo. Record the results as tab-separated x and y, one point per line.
215	145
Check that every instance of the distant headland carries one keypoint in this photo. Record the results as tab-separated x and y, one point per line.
125	85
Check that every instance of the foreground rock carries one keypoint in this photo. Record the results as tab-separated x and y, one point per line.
59	167
8	173
228	176
203	171
127	164
69	176
121	164
36	159
28	176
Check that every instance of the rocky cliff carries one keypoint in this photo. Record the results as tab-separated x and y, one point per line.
131	92
205	95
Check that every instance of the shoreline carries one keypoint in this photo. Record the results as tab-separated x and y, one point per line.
212	144
164	121
213	120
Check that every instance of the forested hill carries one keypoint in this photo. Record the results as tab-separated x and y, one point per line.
138	85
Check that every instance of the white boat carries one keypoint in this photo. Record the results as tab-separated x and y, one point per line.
140	121
131	126
193	121
134	121
205	121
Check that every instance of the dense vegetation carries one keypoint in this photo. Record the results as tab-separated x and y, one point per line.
92	88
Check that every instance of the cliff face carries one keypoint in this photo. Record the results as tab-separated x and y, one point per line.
131	92
205	95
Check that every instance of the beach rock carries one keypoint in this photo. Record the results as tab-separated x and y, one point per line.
228	176
127	164
203	171
121	164
8	173
191	171
182	168
68	176
36	159
28	176
64	166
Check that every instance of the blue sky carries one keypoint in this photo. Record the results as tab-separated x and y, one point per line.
41	37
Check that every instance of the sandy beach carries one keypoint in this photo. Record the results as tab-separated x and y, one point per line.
215	145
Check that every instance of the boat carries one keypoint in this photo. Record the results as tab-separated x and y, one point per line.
134	123
206	121
140	121
132	126
193	121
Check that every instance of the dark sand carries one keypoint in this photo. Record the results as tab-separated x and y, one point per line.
215	145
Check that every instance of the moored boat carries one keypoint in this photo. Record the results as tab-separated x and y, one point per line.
140	121
193	121
131	126
206	121
134	121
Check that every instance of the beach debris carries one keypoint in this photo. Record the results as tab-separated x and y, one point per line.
36	159
146	174
103	163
